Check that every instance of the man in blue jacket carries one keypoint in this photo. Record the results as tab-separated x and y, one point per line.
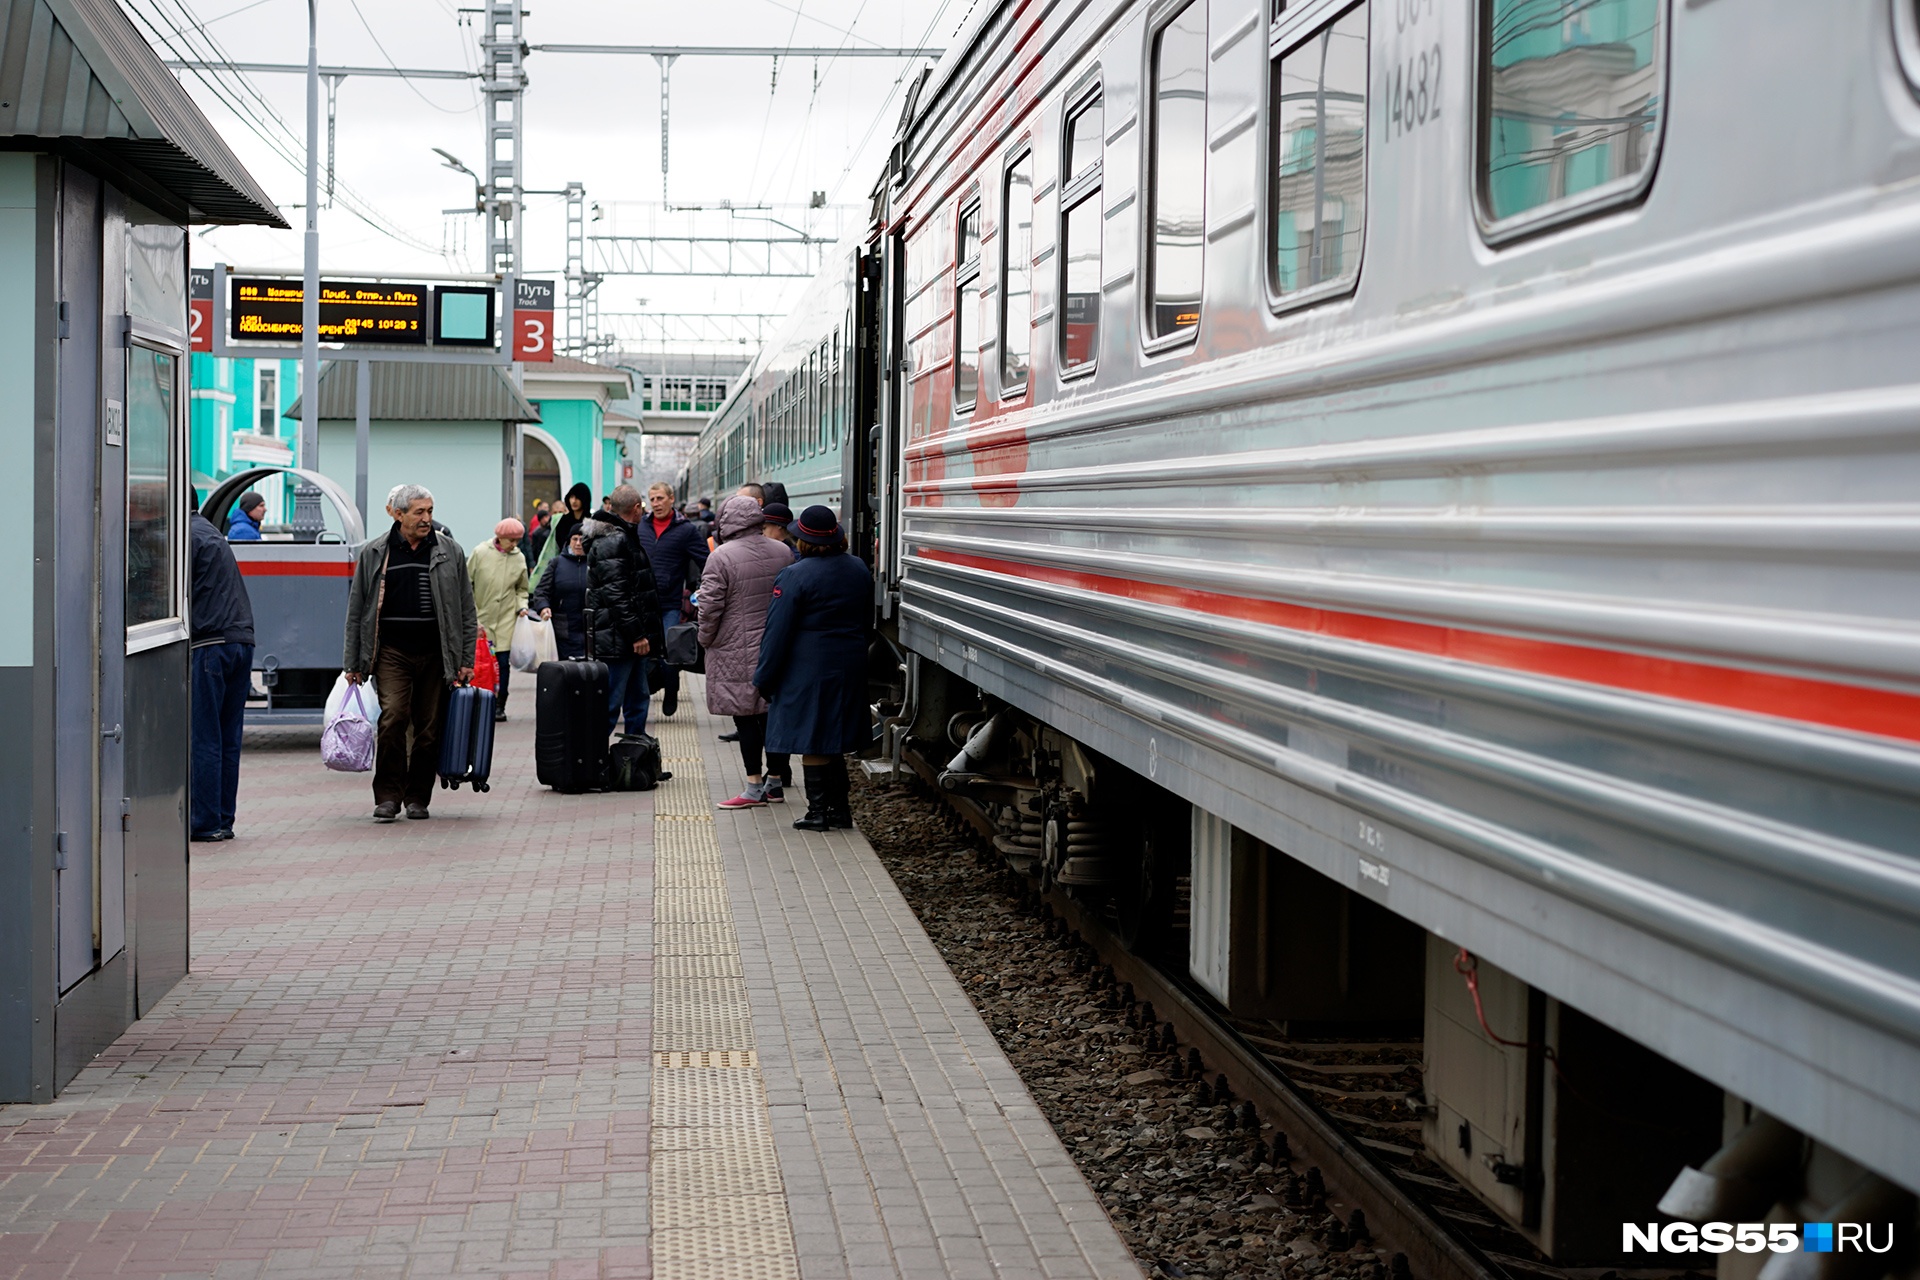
677	547
244	524
222	649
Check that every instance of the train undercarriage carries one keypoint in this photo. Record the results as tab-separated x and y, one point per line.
1544	1140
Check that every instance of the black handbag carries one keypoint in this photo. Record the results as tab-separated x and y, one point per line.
683	648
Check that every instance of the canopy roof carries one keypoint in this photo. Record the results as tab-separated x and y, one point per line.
412	391
77	78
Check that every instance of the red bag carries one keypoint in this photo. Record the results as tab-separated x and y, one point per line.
486	671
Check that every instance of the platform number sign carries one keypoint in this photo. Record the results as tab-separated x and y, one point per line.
200	309
533	320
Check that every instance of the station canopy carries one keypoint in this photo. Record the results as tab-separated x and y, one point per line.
77	78
411	391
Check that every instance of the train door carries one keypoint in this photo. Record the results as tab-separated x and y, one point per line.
863	438
888	316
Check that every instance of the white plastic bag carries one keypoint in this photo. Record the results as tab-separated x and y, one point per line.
370	701
521	655
546	647
347	743
533	644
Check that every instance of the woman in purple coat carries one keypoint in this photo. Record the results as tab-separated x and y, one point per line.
735	589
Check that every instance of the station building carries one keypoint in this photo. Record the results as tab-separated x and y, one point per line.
105	163
483	445
238	417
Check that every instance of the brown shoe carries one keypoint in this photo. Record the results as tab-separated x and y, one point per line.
417	812
386	811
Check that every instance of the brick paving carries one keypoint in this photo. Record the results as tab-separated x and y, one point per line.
421	1049
909	1144
428	1049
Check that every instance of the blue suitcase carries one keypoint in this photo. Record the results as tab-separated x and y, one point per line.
466	738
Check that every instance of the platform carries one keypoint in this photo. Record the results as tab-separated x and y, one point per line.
541	1035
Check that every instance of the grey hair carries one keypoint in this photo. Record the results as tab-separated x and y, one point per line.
403	496
624	497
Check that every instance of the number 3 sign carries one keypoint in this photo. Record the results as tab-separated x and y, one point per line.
533	320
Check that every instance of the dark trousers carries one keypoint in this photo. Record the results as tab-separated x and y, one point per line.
413	693
500	692
221	674
627	693
753	739
660	674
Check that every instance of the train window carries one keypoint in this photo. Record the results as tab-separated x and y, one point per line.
1317	161
1177	221
1016	275
823	379
1080	227
966	306
1906	37
1572	98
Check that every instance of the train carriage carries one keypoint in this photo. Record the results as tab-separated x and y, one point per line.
1464	449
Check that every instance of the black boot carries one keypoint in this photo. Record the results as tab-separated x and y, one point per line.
839	808
815	818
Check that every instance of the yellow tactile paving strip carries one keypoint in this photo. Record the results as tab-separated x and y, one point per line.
719	1207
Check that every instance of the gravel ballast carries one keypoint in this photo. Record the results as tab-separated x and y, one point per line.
1192	1181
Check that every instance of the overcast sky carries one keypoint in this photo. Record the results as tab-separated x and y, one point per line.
595	119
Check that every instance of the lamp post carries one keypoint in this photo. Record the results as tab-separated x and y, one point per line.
310	282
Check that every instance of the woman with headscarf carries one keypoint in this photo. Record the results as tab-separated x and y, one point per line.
813	664
499	574
561	597
578	506
735	589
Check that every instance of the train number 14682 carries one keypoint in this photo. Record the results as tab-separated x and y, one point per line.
1410	93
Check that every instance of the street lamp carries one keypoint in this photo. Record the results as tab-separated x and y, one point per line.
310	278
451	161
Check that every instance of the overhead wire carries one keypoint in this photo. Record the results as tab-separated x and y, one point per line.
258	116
753	174
860	148
374	36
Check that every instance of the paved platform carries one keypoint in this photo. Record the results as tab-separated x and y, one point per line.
553	1036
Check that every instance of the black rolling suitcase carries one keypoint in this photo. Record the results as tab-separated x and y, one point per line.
570	726
466	738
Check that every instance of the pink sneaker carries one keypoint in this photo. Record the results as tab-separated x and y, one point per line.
754	797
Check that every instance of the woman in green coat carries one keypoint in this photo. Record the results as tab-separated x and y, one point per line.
499	574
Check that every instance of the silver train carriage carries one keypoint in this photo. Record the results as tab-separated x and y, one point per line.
1458	457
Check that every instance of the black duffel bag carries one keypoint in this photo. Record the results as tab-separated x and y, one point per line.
683	648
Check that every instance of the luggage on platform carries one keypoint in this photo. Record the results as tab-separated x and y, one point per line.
570	726
466	738
633	763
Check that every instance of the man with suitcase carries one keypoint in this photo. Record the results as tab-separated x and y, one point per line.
411	622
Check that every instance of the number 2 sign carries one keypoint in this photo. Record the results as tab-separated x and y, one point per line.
533	320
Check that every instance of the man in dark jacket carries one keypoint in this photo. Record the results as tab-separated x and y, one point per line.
623	606
222	644
411	623
678	548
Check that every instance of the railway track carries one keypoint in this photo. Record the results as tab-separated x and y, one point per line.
1349	1108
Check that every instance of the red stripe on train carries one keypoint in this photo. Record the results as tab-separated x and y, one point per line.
1821	702
295	569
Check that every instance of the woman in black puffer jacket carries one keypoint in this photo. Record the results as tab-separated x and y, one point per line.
562	597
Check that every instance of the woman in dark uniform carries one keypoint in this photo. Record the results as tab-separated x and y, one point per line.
813	664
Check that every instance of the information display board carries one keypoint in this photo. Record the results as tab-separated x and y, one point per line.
351	312
463	316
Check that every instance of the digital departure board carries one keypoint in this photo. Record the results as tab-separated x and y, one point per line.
350	312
